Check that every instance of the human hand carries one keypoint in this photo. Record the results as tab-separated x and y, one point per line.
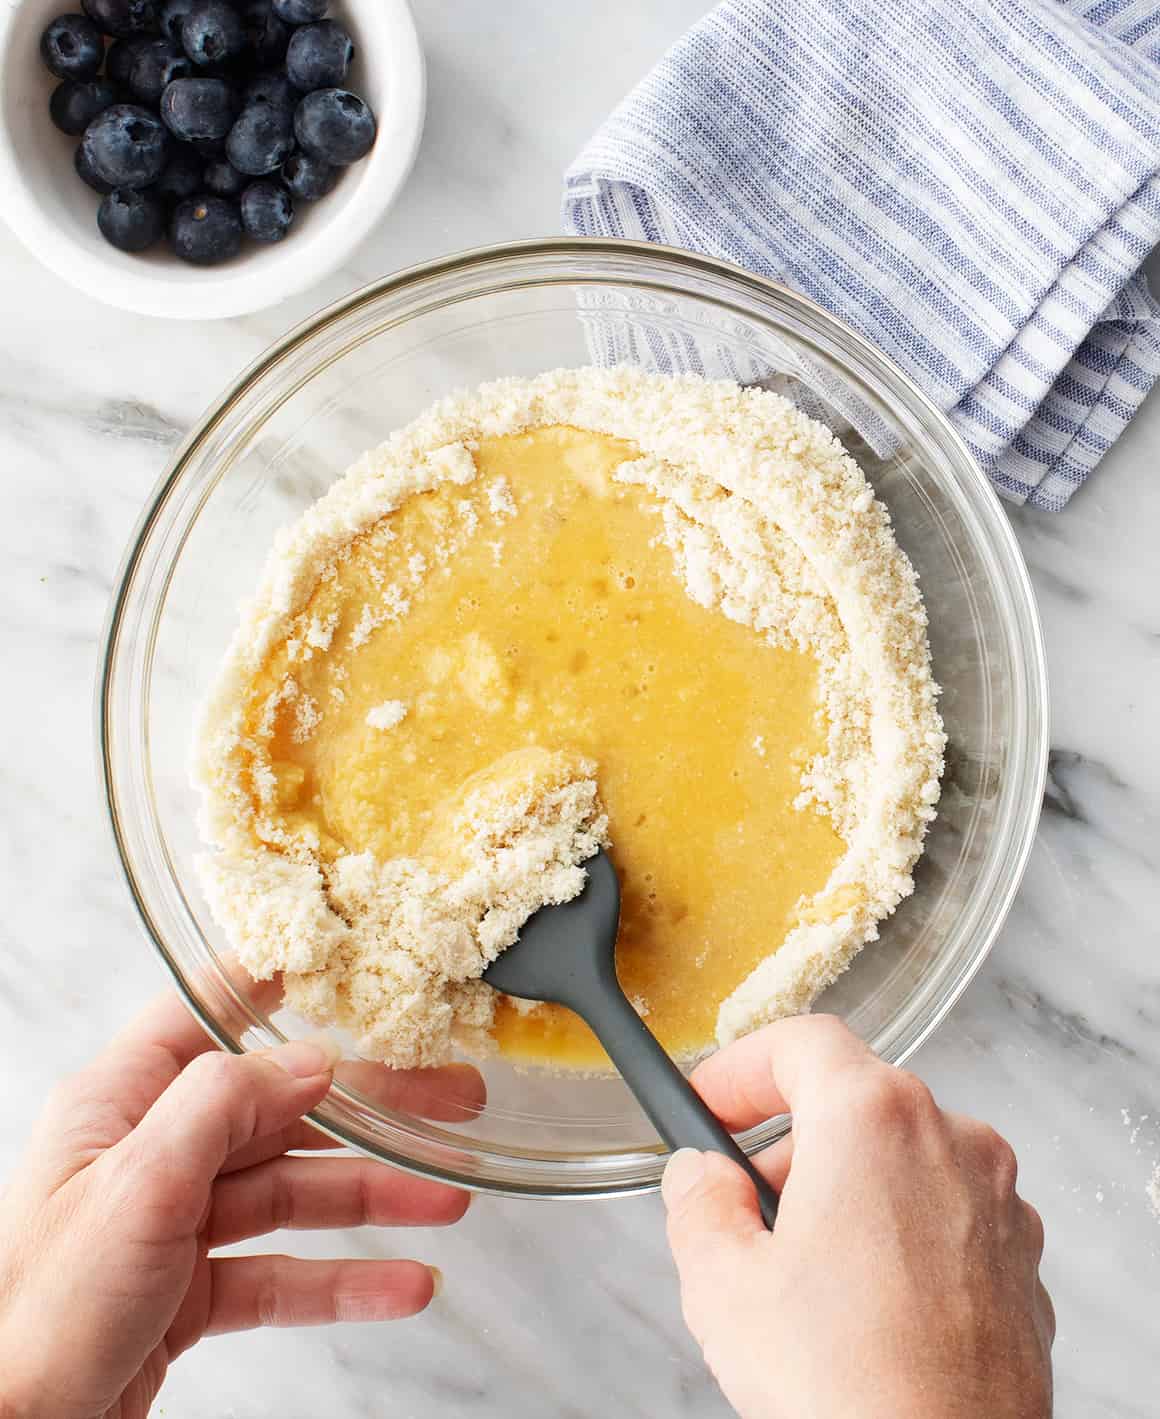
160	1151
901	1278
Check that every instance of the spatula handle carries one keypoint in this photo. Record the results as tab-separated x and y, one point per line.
678	1113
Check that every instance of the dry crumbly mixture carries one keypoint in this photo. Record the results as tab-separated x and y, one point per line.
768	521
387	715
394	949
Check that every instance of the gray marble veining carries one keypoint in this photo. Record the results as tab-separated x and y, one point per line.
1057	1041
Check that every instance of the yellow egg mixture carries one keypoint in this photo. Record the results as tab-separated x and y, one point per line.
561	622
595	607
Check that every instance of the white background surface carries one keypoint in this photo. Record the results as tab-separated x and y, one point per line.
570	1309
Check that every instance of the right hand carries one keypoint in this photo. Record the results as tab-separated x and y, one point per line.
901	1278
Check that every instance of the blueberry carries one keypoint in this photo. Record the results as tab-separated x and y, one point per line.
131	220
273	89
74	104
206	230
72	47
157	63
183	175
267	210
334	125
172	16
119	59
211	149
261	140
122	18
319	56
213	33
223	179
267	34
127	146
308	178
86	174
300	12
198	108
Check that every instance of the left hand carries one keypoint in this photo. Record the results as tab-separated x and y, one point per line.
160	1151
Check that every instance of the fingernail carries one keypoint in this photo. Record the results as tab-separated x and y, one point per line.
436	1281
305	1058
682	1174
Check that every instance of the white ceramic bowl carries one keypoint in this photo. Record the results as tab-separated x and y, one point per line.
55	214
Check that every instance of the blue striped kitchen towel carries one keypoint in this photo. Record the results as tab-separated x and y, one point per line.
972	184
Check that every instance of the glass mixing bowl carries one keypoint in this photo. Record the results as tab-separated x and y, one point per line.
337	385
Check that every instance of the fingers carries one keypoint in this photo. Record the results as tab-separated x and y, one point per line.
165	1037
112	1095
326	1192
711	1205
217	1105
1045	1312
296	1137
101	1104
714	1229
450	1094
169	1024
249	1291
774	1162
1033	1229
780	1069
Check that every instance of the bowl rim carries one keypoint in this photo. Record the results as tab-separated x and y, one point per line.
1030	697
235	288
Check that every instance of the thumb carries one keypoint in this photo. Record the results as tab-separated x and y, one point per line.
712	1215
216	1105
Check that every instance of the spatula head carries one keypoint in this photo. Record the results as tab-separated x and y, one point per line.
566	953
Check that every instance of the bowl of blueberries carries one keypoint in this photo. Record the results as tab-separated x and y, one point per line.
204	158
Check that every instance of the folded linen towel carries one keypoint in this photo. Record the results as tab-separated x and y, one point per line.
972	184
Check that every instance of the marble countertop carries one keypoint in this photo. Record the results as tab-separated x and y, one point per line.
1057	1041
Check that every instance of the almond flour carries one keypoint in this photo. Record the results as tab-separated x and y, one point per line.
768	521
387	715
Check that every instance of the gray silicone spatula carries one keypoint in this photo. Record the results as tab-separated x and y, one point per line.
567	954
